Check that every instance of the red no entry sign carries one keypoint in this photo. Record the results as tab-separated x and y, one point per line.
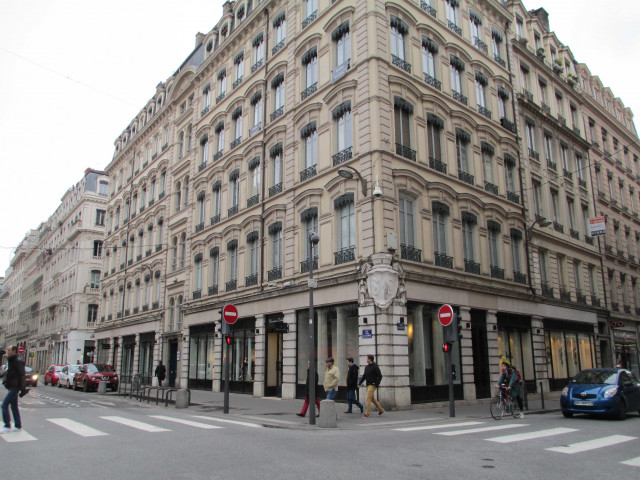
445	315
230	313
21	349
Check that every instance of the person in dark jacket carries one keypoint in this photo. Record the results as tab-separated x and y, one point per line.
373	377
161	373
303	412
352	386
15	382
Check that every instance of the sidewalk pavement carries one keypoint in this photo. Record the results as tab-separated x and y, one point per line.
281	413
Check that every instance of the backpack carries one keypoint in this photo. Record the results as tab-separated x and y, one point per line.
515	370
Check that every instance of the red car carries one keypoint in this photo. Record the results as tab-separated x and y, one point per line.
51	377
91	374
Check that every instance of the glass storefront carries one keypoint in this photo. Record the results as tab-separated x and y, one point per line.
201	356
145	357
243	355
569	348
427	373
514	344
626	343
336	336
128	350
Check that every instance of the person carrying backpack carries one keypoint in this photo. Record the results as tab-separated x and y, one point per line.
512	378
373	377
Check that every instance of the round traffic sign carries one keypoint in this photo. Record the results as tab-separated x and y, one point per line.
230	313
445	315
21	349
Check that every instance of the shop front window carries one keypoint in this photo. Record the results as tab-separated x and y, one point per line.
201	356
243	356
568	352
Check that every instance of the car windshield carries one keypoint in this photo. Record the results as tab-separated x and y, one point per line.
28	369
99	368
596	377
58	369
74	368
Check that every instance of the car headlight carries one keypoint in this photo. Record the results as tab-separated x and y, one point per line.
610	393
565	392
35	377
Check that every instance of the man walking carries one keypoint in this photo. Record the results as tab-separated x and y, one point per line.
161	373
373	377
331	379
15	382
352	386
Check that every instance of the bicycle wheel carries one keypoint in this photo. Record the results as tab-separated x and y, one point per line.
512	409
497	408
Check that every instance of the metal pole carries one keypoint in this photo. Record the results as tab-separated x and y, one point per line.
312	337
227	369
452	406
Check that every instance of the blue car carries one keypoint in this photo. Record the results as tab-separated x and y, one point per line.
603	391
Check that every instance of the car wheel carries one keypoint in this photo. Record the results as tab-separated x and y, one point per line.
566	414
622	413
75	387
86	386
59	384
45	381
69	386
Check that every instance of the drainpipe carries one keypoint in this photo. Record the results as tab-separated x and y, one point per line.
264	160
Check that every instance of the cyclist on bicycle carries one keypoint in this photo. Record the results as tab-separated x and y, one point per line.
510	378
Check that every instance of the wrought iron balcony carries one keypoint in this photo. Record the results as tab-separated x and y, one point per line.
256	65
483	111
110	317
202	166
308	173
513	197
345	255
197	294
428	8
119	315
276	189
508	125
304	265
519	277
527	94
562	120
558	227
443	260
158	247
626	308
615	306
595	301
155	305
309	19
547	291
497	272
534	154
204	111
232	211
145	308
588	239
279	46
122	264
632	258
437	165
161	196
215	219
567	174
200	227
491	188
574	234
565	295
466	177
251	280
220	97
127	312
545	107
136	310
581	298
459	97
217	155
582	183
231	285
406	152
235	143
138	258
213	289
552	165
471	266
342	156
274	274
276	114
253	200
237	82
452	26
500	60
608	249
437	84
308	91
398	62
480	45
409	252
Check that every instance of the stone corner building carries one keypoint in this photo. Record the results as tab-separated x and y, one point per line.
395	132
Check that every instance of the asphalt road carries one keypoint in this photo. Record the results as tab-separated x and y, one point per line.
75	433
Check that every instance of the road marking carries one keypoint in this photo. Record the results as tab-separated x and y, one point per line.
592	444
436	427
76	427
22	436
184	422
483	429
136	424
518	437
236	422
634	462
111	404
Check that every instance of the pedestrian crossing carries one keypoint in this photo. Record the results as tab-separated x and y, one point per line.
461	428
101	425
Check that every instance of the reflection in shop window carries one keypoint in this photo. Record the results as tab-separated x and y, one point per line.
515	345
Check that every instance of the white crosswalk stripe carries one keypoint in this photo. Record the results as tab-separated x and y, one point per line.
437	427
592	444
634	462
518	437
185	422
482	429
147	427
224	420
76	427
21	436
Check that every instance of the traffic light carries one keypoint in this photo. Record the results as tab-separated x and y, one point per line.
446	347
228	340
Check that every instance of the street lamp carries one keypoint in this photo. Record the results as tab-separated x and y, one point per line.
347	172
313	240
543	222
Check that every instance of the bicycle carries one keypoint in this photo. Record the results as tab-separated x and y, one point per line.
502	404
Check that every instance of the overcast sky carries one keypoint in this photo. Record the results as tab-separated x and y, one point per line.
74	73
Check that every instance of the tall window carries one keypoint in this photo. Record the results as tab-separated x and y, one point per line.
493	230
475	27
158	285
94	282
496	45
163	182
252	243
258	50
481	84
555	207
548	147
407	220
201	209
276	167
103	187
310	138
469	222
238	62
531	137
204	149
440	218
509	172
183	249
429	51
256	103
342	117
402	113
232	253
206	99
178	195
340	37
487	162
278	95
159	236
97	248
456	67
346	219
222	83
570	207
219	130
452	11
310	223
564	152
519	27
503	102
280	26
236	116
92	313
310	7
537	199
310	64
434	135
180	144
214	265
462	147
275	237
398	30
234	180
216	205
254	177
516	248
198	272
100	217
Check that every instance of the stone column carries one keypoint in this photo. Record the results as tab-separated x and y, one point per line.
492	347
322	341
539	352
117	362
182	380
289	373
418	364
157	353
466	353
218	385
341	336
136	356
260	351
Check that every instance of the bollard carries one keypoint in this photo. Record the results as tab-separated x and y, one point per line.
328	415
182	398
102	387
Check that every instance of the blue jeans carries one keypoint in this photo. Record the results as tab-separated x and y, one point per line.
351	400
11	399
331	394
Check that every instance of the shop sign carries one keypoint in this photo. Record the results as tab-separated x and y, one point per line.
616	324
400	326
624	336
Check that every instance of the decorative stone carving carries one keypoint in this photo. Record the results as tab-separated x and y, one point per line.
381	281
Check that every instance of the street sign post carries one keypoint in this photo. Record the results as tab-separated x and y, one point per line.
448	319
229	317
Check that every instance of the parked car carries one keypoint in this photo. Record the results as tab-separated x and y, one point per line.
31	376
606	391
51	376
65	377
3	370
91	374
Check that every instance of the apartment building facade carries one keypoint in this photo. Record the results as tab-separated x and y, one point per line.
411	139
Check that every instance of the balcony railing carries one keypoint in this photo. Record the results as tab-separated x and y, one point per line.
204	111
437	165
547	291
232	211
471	266
220	97
437	84
342	156
428	8
491	188
588	239
513	197
500	60
567	174
235	142
558	227
582	183
304	265
345	255
562	120
595	301
409	252
615	306
136	310
309	19
459	97
200	227
308	173
534	154
256	65
452	26
565	295
215	219
231	285
274	274
276	189
552	165
147	253
251	280
197	294
626	308
497	272
253	200
527	94
480	45
519	277
581	298
279	46
138	258
574	234
155	305
276	114
213	289
237	82
202	166
308	91
484	111
443	260
466	177
508	125
406	152
217	155
398	62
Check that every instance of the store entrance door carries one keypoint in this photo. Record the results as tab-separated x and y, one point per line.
173	362
481	372
274	365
